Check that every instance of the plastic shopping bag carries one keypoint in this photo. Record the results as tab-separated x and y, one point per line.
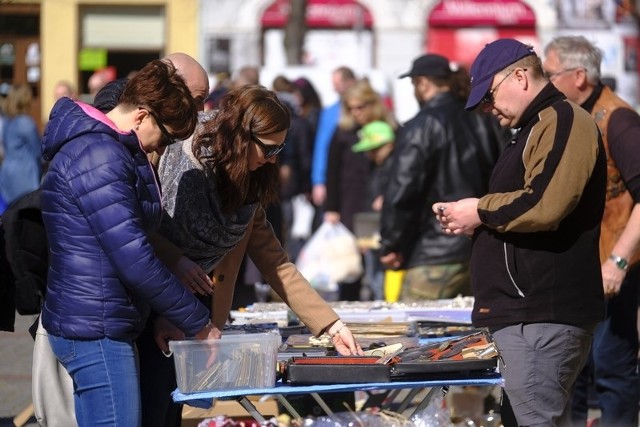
303	212
330	256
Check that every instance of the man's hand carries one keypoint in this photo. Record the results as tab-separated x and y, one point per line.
612	278
459	217
392	260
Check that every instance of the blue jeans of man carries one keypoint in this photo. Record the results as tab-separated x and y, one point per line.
614	361
105	380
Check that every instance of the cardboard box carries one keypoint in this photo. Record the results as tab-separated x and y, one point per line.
191	416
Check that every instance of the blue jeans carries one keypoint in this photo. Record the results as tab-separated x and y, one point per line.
374	271
105	380
614	361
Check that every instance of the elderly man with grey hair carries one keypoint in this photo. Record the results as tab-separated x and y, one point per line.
572	64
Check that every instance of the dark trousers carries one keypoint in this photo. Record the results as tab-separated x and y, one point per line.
157	381
614	362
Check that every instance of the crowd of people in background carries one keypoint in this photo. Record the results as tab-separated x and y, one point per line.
567	174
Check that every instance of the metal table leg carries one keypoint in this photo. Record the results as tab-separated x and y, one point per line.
283	400
390	398
425	401
407	400
251	409
322	403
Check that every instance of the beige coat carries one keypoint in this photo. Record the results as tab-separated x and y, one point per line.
264	249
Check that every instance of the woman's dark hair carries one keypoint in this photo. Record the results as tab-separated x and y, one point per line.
308	93
458	82
162	90
223	145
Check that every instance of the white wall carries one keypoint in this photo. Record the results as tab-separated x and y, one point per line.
398	38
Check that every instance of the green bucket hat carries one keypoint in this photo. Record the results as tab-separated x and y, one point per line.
374	135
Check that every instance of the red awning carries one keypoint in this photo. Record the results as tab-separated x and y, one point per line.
477	13
320	14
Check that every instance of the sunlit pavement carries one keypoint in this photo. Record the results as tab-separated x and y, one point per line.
15	371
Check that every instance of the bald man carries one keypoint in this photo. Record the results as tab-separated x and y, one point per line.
158	408
193	74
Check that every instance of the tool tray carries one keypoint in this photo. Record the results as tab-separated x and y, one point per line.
474	354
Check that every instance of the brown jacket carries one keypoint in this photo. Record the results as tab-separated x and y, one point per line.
264	249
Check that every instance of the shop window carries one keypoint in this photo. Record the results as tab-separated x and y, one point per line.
7	60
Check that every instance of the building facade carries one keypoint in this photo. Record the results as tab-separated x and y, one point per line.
46	41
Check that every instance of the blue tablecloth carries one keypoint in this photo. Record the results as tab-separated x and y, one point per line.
205	399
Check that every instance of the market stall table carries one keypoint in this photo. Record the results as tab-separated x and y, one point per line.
454	311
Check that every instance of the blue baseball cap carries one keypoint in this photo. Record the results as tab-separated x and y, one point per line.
493	58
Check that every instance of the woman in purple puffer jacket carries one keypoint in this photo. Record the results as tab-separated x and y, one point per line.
100	198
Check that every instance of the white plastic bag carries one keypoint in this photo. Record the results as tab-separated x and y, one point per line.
330	256
302	217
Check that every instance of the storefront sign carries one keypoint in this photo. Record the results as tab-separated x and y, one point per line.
475	13
320	14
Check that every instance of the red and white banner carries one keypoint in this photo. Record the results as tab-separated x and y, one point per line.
320	14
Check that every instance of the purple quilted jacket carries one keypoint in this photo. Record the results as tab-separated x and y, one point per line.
100	198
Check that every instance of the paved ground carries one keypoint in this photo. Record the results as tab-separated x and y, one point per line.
15	371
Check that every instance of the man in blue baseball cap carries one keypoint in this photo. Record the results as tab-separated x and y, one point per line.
535	262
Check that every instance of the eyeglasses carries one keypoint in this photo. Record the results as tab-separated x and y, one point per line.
269	150
167	138
551	76
489	97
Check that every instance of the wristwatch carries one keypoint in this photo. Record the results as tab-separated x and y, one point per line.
620	262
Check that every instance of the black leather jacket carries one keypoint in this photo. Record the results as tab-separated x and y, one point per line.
444	153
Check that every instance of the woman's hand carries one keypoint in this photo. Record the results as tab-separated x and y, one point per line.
209	332
343	340
164	331
192	276
332	217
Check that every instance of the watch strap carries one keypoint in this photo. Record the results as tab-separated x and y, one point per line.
620	262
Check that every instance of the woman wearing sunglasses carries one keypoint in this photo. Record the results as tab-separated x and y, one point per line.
214	189
349	172
100	199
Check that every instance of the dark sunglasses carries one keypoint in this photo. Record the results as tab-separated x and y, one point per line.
269	150
167	138
488	97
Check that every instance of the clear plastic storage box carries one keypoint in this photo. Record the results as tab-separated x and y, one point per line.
236	361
